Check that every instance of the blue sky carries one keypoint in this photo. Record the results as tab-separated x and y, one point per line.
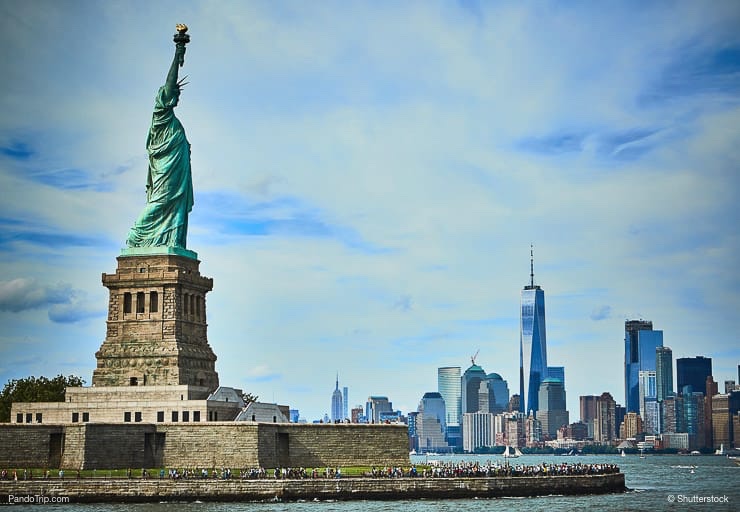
369	177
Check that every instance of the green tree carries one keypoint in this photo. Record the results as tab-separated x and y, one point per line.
33	389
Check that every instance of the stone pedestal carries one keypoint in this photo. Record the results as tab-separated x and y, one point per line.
156	329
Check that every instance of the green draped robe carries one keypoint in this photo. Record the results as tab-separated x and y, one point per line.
169	184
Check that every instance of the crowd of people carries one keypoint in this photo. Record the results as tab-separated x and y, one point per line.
488	469
433	470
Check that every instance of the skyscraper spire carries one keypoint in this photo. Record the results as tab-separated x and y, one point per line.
337	381
531	265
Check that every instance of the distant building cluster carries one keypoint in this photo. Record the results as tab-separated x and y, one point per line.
474	411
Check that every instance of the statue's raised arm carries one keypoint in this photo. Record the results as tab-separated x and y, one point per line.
164	220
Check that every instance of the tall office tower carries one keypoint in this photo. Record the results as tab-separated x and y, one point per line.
673	420
552	413
640	342
478	431
484	404
630	426
345	402
337	409
588	413
413	437
449	386
647	388
693	371
556	372
532	343
376	405
729	386
498	393
652	422
430	423
710	390
663	373
605	422
724	408
470	384
693	413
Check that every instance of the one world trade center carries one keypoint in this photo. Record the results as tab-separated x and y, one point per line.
532	343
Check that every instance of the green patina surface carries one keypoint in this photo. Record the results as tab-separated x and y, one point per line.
163	222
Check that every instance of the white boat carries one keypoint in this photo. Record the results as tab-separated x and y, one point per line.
623	455
720	450
695	452
511	452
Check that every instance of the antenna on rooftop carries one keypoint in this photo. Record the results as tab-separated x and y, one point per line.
531	265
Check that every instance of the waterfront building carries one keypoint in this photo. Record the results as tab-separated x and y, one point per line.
552	413
376	405
676	441
477	431
430	423
631	426
605	422
515	428
449	386
470	384
663	373
693	371
640	344
724	408
588	412
533	431
337	407
532	343
710	390
577	431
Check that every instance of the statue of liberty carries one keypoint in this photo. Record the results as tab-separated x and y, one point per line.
169	185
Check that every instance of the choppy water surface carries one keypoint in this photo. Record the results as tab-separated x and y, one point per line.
653	482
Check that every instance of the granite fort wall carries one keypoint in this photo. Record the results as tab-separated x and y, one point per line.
206	444
100	490
30	445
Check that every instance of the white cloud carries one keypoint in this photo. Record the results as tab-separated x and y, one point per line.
434	144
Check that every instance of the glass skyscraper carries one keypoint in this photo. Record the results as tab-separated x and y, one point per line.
449	386
470	384
532	344
640	344
663	373
693	371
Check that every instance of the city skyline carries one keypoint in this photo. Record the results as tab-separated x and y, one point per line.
367	187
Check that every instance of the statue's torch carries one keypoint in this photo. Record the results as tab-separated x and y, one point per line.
181	39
